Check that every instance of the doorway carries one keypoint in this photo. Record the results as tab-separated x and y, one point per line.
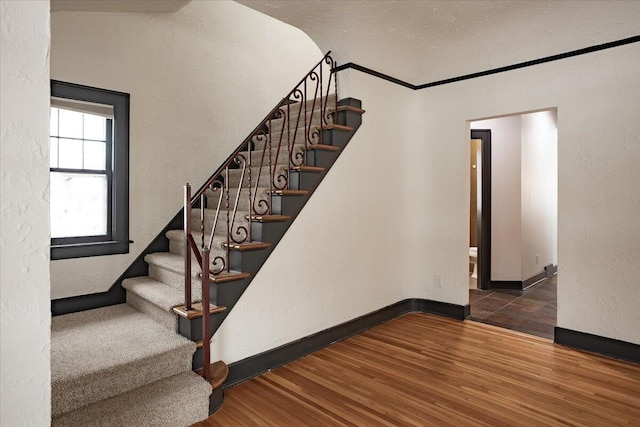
480	210
513	194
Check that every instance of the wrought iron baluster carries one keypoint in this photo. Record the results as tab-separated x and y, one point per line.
187	247
206	321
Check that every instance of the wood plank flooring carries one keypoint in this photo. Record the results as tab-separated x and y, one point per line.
426	370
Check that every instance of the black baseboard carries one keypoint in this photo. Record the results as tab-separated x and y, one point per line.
596	344
505	284
521	285
253	366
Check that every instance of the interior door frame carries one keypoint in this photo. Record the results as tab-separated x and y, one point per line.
484	210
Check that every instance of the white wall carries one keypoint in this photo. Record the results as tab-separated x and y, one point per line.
24	214
539	199
200	80
506	221
596	96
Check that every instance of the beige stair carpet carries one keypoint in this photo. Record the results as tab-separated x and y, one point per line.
98	354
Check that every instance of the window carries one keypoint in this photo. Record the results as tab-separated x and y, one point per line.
89	191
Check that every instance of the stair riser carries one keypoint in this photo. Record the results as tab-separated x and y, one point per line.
166	318
337	138
288	205
350	118
303	180
322	158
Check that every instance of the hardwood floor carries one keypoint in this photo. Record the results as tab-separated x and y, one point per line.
423	370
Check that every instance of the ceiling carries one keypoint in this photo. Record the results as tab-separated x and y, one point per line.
140	6
425	41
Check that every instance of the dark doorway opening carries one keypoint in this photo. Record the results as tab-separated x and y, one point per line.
484	208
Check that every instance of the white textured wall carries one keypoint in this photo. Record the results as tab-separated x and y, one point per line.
506	221
24	212
356	246
200	80
539	192
596	96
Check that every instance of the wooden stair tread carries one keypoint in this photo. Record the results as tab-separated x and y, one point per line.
336	126
248	246
350	108
269	218
290	192
324	147
226	277
306	169
219	373
196	310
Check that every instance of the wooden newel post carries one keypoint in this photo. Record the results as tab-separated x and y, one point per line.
206	318
187	247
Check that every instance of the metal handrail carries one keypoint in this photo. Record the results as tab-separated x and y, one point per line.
241	159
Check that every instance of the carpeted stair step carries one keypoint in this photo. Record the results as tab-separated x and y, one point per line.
298	137
155	299
262	173
101	353
176	401
168	268
176	243
312	120
279	157
329	99
239	220
261	193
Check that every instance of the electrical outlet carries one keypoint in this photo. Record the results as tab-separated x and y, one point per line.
537	258
438	281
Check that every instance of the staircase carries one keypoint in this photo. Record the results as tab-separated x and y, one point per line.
134	362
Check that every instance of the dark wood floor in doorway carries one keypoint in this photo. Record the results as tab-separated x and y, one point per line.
426	370
532	311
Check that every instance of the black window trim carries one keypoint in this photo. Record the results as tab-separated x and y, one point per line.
117	239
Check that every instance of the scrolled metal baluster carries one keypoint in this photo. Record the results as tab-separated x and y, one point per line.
332	75
298	95
335	82
187	247
240	160
215	186
206	318
220	262
202	204
313	76
249	238
226	191
262	206
321	103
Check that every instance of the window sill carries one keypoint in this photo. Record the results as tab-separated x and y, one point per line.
81	250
